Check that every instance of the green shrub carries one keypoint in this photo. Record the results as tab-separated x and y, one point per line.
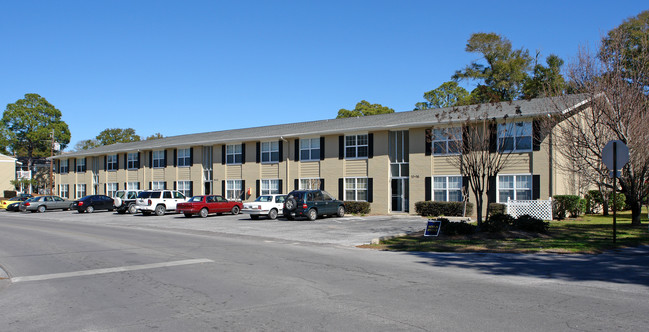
498	223
456	228
564	204
530	224
621	201
354	207
496	208
593	200
435	209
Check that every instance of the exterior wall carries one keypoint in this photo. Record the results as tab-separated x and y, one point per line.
7	173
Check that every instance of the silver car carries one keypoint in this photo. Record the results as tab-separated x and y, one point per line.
42	203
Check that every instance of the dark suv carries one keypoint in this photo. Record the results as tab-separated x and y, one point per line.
312	204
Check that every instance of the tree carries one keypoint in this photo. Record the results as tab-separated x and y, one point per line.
547	81
364	108
505	71
117	135
446	95
28	124
154	136
628	44
86	144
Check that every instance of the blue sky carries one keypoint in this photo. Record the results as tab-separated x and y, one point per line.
180	67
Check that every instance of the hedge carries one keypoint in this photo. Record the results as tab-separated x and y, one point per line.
456	228
354	207
435	209
564	204
504	222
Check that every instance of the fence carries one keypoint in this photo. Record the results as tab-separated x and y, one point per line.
536	208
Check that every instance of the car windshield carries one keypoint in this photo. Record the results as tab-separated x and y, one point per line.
196	199
119	194
264	198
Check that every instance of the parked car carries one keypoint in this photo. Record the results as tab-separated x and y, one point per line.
204	205
91	203
42	203
265	205
158	201
124	201
15	207
17	199
312	204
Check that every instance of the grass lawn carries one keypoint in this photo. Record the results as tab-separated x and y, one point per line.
587	234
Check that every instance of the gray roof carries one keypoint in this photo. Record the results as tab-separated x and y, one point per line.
392	121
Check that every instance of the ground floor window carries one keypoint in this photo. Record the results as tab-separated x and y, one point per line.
185	187
517	187
80	190
447	188
157	185
270	187
111	188
356	189
64	191
132	186
233	189
310	184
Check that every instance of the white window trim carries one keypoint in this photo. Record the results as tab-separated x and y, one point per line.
66	166
81	163
131	162
111	189
161	159
514	175
77	191
157	185
186	158
111	162
310	149
514	150
234	154
269	152
356	189
229	186
64	190
446	141
184	187
310	180
357	146
270	190
131	185
446	189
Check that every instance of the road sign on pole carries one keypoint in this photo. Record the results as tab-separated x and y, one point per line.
615	155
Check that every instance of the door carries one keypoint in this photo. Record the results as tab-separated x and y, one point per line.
400	195
398	145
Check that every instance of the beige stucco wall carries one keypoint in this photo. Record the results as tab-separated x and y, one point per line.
7	173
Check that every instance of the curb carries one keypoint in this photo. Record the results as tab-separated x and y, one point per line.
387	237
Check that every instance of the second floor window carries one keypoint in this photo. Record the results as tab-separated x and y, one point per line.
310	149
233	154
270	152
132	161
184	157
447	141
111	162
81	165
63	167
356	146
159	158
515	137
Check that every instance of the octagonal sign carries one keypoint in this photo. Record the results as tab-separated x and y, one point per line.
619	157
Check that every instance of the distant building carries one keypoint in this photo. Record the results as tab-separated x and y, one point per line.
8	167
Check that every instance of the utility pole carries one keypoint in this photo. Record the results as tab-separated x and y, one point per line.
52	164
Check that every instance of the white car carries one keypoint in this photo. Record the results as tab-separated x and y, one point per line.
158	201
265	205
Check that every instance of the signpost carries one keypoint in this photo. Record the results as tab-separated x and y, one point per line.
615	155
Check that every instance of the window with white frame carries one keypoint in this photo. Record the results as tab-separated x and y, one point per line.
80	190
518	187
157	185
158	158
310	149
269	186
132	186
132	160
111	162
64	190
63	167
184	157
310	184
356	146
81	165
184	187
270	152
356	189
233	154
515	137
447	188
111	188
233	189
447	141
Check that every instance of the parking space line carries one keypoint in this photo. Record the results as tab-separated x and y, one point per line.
109	270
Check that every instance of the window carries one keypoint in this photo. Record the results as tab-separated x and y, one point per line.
159	158
233	189
310	184
517	187
184	157
111	188
447	141
356	146
185	187
81	165
356	189
64	190
63	167
81	190
270	152
111	162
447	188
270	187
310	149
132	186
233	154
157	185
515	137
132	160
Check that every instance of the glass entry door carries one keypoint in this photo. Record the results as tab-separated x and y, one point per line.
399	170
400	191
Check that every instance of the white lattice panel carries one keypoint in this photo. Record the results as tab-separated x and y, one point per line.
538	208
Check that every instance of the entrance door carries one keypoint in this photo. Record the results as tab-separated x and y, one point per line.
400	195
399	170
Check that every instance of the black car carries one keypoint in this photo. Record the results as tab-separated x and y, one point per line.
14	207
93	202
312	204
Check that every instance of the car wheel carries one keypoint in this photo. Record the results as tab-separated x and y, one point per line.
41	209
288	216
312	214
90	209
341	211
160	210
204	213
72	206
235	210
272	214
254	216
188	215
132	209
121	211
290	204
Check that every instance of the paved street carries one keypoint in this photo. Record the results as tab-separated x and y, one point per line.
109	272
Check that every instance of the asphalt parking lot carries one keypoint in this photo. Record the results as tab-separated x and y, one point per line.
346	231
